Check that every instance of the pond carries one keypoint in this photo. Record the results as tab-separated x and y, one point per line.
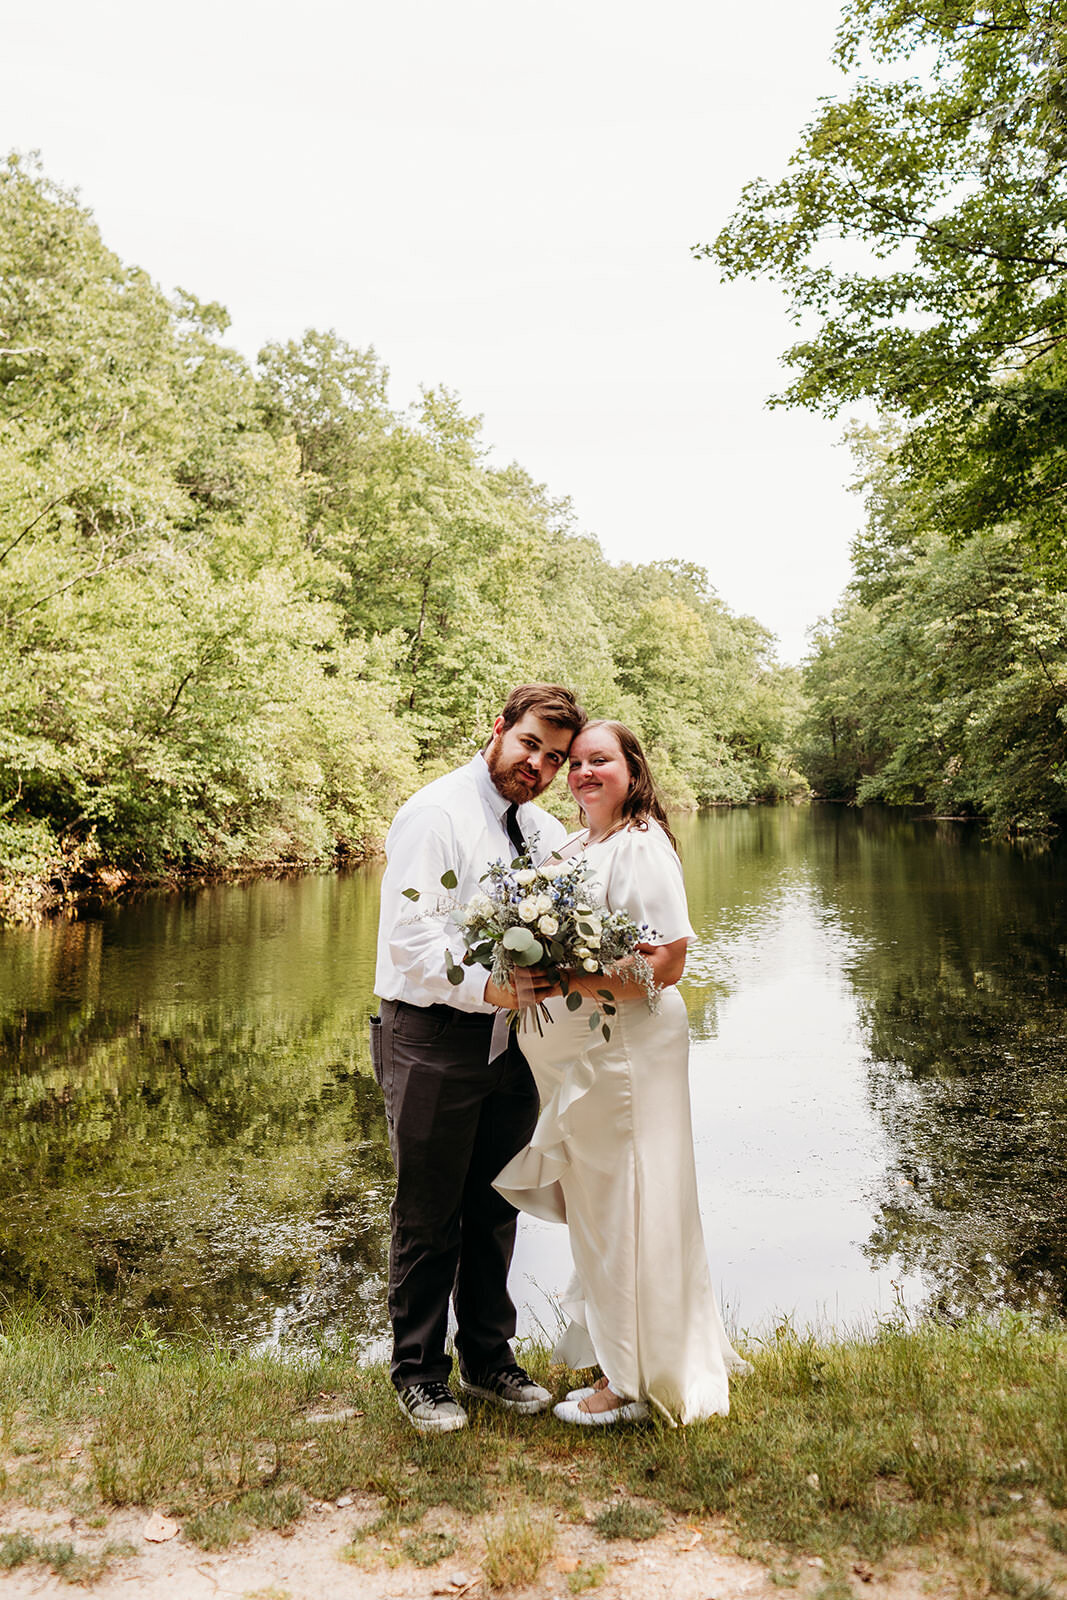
189	1129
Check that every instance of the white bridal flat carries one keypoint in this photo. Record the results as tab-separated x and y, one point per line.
570	1411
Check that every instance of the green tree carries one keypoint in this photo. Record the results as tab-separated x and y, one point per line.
945	167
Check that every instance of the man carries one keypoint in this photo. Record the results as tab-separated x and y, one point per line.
456	1116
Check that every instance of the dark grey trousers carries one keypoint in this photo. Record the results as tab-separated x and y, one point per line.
455	1119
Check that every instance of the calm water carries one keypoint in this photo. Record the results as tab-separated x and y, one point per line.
189	1128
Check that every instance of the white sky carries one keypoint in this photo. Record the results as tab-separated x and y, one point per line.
499	197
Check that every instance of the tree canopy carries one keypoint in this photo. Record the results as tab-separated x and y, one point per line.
920	236
245	607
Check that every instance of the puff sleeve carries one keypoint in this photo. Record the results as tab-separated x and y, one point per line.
643	876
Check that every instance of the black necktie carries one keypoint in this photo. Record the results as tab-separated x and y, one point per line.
511	823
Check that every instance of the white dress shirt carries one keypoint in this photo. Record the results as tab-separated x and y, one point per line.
455	822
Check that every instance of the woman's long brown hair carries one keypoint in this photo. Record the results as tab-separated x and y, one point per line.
643	800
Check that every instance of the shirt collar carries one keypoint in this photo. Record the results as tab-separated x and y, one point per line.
490	793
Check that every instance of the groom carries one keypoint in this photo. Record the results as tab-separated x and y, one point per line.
456	1117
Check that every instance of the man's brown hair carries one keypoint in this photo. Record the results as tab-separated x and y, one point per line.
549	701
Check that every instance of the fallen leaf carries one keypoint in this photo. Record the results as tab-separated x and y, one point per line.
567	1564
69	1455
693	1540
158	1529
863	1572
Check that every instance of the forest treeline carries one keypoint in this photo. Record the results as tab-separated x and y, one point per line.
246	608
941	679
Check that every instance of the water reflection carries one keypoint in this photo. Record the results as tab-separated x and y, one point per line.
189	1126
188	1122
963	999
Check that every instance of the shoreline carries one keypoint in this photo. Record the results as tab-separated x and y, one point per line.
72	889
30	901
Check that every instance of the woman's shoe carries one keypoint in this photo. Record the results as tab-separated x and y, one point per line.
580	1394
629	1411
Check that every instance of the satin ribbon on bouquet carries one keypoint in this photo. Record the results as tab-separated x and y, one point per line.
505	1020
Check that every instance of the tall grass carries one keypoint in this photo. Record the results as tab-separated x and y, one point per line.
932	1436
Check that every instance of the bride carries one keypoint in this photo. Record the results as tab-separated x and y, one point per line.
612	1154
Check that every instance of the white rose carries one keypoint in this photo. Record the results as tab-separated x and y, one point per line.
525	877
547	925
581	952
545	903
481	906
527	910
590	966
552	869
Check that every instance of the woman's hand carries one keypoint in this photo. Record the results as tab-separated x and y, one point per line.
666	960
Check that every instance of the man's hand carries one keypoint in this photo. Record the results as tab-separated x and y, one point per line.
533	986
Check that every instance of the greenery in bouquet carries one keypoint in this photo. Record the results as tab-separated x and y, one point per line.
548	917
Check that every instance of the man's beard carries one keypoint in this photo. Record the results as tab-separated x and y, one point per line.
507	781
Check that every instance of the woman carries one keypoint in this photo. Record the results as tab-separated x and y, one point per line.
612	1154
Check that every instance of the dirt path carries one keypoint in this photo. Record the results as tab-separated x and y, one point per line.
686	1561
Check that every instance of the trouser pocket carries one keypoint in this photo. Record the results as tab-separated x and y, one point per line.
376	1049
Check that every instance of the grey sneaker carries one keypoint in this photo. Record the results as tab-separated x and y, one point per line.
431	1408
511	1387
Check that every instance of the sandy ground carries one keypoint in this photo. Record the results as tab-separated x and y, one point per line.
687	1561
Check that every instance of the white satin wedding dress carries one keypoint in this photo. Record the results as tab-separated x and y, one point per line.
612	1157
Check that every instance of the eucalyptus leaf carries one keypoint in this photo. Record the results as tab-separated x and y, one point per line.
410	894
574	1001
519	939
449	879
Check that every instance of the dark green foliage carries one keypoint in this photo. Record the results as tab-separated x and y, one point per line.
942	679
238	610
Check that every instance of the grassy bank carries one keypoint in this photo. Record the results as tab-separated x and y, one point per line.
947	1442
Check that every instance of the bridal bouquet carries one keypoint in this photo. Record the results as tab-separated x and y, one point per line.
547	917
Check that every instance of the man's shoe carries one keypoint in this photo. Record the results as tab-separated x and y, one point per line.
431	1408
511	1387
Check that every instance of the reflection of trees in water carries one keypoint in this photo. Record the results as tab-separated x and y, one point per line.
735	862
963	996
188	1126
211	1171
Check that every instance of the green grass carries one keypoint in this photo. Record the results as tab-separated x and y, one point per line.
947	1440
517	1546
624	1520
59	1555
